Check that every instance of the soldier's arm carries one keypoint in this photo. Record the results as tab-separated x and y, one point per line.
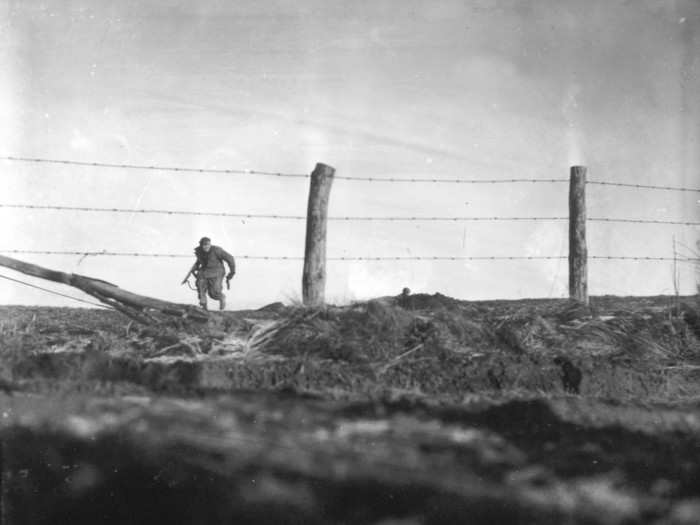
230	261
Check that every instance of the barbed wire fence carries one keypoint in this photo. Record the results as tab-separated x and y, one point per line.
352	258
348	218
690	256
180	169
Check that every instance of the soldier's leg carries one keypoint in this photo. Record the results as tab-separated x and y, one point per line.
216	291
214	287
202	291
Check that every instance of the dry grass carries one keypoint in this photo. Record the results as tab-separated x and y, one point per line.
429	344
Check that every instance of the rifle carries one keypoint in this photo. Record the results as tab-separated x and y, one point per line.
191	272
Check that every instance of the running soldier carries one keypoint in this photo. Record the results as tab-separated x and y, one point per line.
209	271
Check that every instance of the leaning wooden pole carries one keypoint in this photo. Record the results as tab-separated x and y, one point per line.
138	307
578	252
314	276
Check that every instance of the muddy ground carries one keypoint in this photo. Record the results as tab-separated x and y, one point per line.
418	409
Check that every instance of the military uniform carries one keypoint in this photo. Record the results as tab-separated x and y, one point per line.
210	273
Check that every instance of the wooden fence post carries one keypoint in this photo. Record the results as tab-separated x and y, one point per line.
578	253
314	277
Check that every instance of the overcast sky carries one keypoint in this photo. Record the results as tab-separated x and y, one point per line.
448	89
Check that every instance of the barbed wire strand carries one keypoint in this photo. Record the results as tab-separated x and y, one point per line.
637	258
643	221
555	278
336	218
270	173
642	186
153	167
141	254
55	293
152	211
434	180
347	258
339	177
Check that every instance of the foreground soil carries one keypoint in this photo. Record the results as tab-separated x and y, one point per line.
417	409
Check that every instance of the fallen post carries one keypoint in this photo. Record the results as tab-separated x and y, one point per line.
141	308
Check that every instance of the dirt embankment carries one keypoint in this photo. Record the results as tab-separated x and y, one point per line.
435	345
412	410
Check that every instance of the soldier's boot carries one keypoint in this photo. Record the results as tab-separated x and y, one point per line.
222	302
203	306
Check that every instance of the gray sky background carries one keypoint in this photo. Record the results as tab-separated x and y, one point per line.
403	88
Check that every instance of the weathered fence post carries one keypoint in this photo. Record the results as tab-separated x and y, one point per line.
578	253
314	277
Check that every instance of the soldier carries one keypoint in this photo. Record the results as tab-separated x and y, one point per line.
209	271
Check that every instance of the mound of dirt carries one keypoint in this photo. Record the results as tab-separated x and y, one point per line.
428	344
415	409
